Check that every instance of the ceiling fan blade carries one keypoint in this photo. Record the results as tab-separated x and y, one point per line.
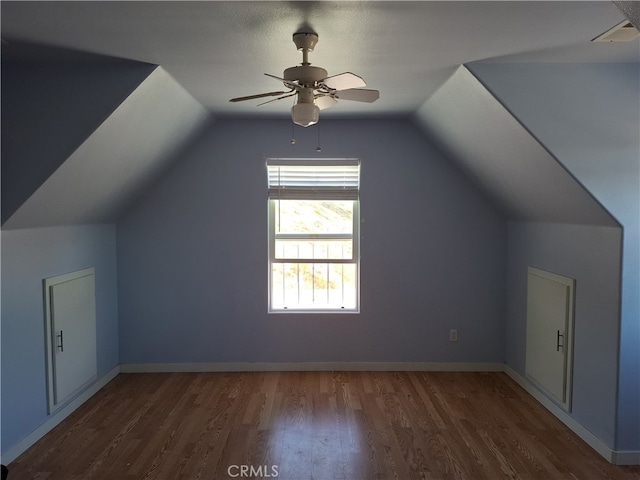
252	97
279	98
325	101
358	95
344	81
287	83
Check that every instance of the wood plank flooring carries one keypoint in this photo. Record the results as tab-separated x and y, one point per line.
313	425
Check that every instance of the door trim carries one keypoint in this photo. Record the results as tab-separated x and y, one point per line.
567	340
52	403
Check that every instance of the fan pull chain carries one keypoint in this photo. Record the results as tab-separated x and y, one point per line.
293	136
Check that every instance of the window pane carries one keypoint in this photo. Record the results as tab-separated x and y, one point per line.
313	286
313	216
314	249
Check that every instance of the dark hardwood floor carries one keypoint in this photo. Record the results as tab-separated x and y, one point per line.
313	425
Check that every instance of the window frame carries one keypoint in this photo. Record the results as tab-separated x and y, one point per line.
354	237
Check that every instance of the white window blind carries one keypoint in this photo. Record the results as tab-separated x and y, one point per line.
335	179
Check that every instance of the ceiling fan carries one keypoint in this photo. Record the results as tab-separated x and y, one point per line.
314	89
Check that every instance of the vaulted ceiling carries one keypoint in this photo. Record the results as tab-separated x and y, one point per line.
210	51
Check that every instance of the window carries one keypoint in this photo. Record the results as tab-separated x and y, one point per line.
313	235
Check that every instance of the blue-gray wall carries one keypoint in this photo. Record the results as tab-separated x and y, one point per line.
28	257
436	254
590	255
192	255
587	115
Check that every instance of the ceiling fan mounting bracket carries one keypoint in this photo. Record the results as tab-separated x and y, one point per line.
305	41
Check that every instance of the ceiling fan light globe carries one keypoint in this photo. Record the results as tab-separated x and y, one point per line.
305	114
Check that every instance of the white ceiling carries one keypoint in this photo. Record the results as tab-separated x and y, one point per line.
219	50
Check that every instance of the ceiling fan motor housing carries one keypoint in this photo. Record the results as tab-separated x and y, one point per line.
306	75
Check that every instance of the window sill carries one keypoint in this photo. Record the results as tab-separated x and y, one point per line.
313	312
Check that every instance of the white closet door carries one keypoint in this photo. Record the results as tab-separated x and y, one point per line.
549	333
72	327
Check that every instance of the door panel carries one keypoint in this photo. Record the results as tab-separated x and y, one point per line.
71	327
549	333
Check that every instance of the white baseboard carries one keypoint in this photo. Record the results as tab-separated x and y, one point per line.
57	417
310	367
612	456
626	458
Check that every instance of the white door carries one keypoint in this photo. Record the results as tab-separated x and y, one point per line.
72	327
549	333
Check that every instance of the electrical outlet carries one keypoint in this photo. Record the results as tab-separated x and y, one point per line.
453	335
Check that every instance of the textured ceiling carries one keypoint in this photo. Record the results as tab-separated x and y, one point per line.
220	50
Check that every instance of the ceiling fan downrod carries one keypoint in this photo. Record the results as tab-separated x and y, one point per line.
305	75
305	42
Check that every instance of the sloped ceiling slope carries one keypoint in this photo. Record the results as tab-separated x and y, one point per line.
496	150
116	162
52	100
219	50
